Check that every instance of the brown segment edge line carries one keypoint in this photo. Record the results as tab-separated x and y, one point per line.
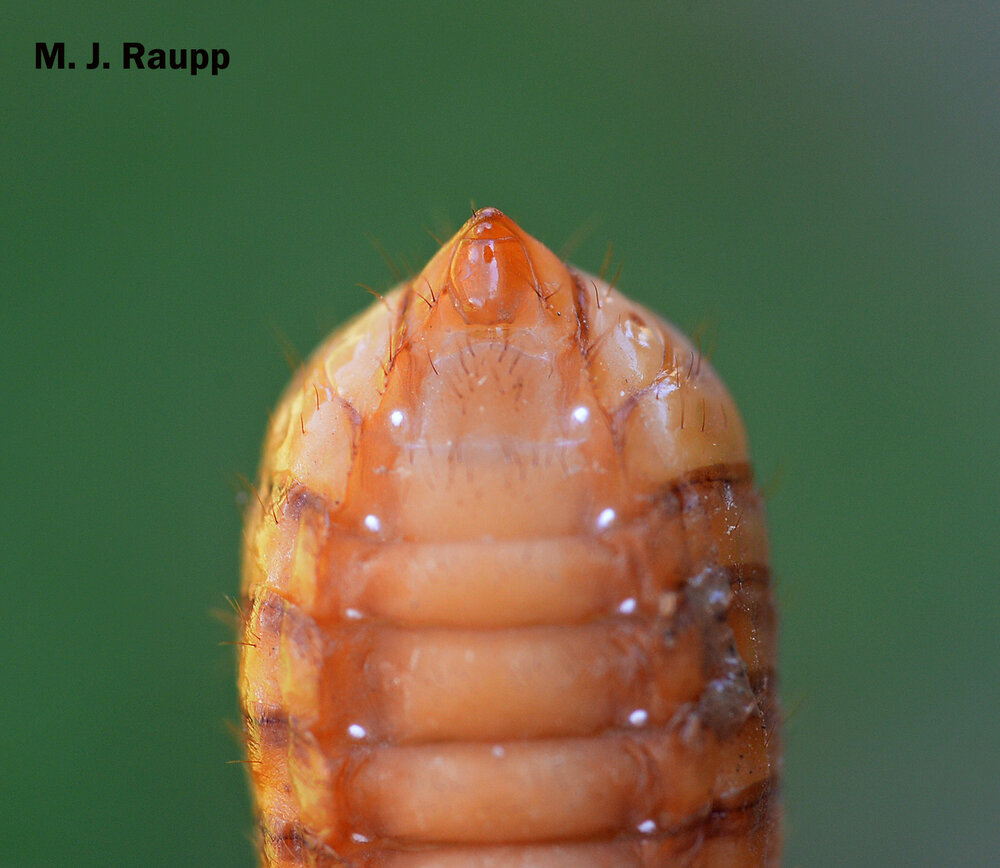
295	496
719	822
280	727
740	576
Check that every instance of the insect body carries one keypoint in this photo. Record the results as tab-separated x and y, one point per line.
507	587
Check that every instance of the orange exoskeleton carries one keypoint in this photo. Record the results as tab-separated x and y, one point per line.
506	587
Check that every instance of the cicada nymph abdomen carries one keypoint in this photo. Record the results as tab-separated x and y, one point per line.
507	587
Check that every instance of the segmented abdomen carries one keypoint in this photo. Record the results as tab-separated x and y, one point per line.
507	587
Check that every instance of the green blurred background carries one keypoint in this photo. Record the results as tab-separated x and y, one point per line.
818	182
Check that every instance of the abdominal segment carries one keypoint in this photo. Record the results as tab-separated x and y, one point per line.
506	587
